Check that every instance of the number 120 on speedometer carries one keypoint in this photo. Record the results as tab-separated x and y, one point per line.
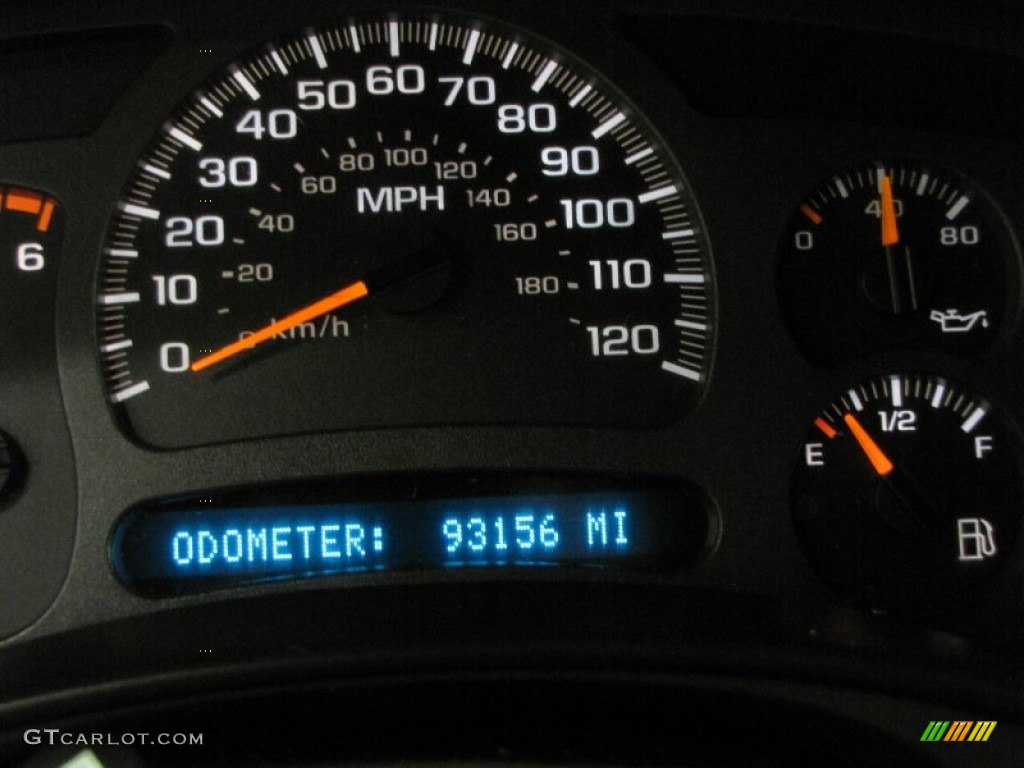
402	221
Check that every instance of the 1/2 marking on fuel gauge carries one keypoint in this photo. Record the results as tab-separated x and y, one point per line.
889	502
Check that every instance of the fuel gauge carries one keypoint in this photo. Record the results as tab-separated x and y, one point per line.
909	492
894	256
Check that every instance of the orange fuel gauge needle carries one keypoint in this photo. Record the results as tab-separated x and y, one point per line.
881	463
346	295
890	232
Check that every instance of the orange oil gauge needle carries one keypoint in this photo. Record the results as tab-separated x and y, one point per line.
890	233
346	295
882	464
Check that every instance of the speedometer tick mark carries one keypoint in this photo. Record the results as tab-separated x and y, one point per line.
210	107
184	139
153	170
550	223
224	311
657	194
275	187
581	94
575	321
380	137
610	124
352	143
691	326
238	241
393	41
278	61
565	253
228	274
407	135
543	77
140	211
677	234
432	43
123	394
116	346
512	177
510	56
462	148
533	198
353	38
572	286
256	212
246	84
685	278
487	160
299	167
128	297
680	370
638	156
474	38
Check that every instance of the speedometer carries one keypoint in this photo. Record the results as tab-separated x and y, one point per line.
403	221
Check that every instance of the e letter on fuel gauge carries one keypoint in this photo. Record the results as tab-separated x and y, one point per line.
909	492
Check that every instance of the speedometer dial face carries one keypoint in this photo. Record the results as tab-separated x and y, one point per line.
396	222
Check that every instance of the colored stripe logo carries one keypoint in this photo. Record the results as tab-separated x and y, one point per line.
958	730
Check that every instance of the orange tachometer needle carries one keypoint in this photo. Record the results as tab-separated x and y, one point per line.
890	233
882	464
346	295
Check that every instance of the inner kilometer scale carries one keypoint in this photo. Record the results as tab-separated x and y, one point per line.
908	493
397	222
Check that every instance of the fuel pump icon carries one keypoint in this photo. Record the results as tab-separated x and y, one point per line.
976	539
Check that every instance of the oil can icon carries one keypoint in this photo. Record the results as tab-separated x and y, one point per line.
952	321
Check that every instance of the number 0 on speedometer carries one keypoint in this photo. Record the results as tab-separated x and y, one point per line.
397	222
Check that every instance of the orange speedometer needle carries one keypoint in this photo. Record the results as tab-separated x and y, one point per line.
346	295
408	271
882	464
890	232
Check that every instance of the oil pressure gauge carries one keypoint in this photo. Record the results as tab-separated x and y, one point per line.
894	256
909	492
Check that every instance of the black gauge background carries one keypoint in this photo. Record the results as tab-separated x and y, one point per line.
756	608
738	444
833	297
479	354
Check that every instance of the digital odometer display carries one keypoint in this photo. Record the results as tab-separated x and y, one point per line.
404	221
187	546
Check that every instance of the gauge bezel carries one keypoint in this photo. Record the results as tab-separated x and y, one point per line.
674	401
